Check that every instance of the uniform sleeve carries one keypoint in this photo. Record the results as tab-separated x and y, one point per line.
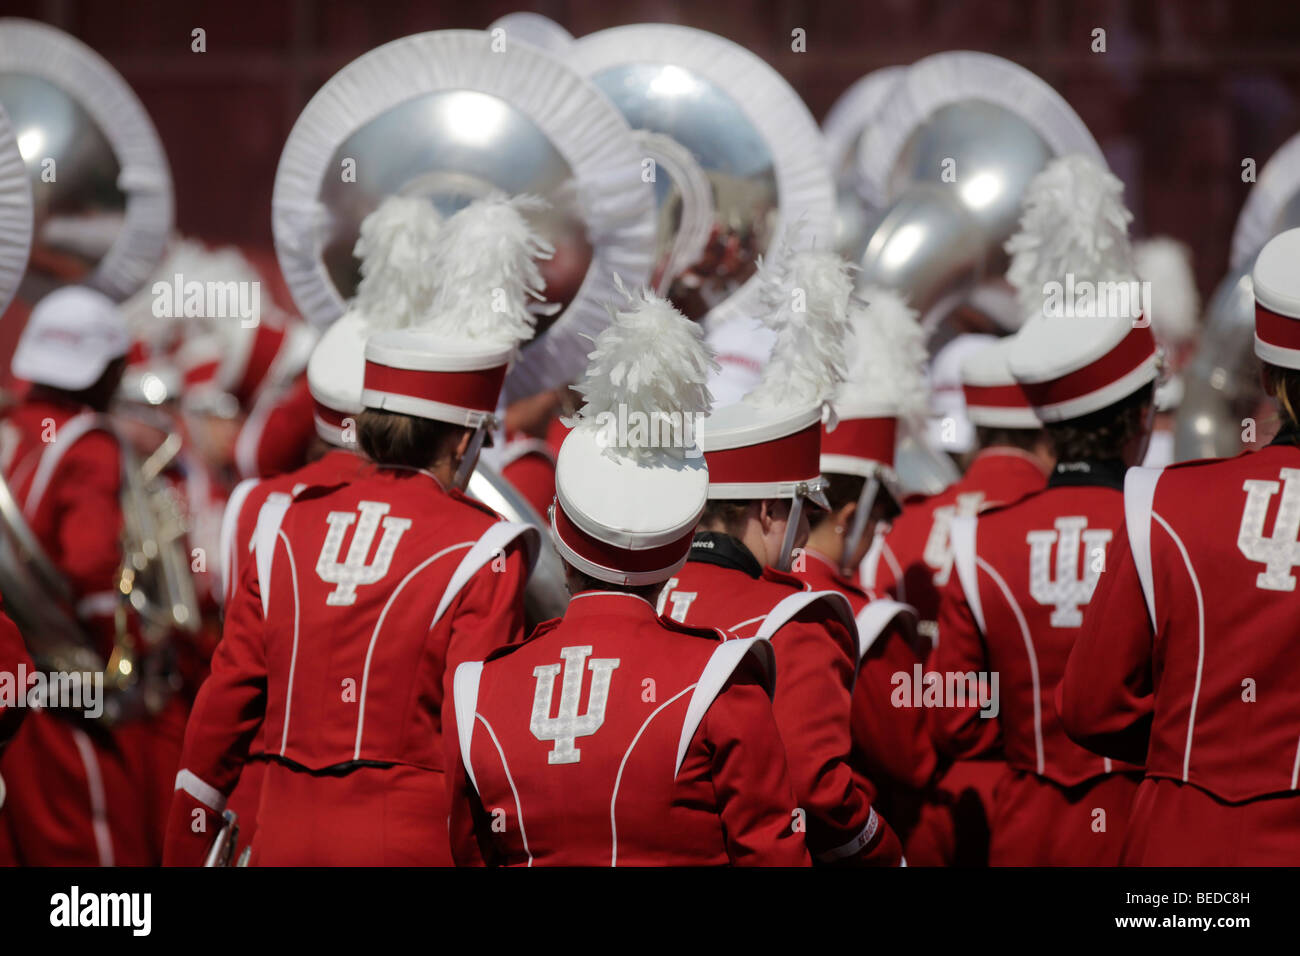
489	611
816	660
750	776
86	489
1106	698
959	730
13	654
890	743
276	439
227	713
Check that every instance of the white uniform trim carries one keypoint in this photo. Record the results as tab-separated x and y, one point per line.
856	844
98	804
1200	639
249	439
379	625
494	542
875	618
293	657
269	520
227	543
722	664
789	607
519	447
98	604
1139	495
66	436
1029	652
613	799
961	534
519	808
869	568
201	790
464	695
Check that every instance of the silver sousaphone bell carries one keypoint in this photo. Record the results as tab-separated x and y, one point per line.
1222	381
452	116
100	181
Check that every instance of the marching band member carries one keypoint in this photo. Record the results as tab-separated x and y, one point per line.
78	793
1186	658
343	655
1012	610
675	758
763	458
885	382
395	245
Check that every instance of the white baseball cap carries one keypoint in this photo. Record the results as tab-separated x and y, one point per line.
72	336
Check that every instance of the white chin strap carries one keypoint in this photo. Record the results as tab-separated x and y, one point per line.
791	529
470	461
866	501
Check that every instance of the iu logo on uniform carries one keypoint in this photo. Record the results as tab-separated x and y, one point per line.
1280	552
938	546
355	571
1074	584
568	725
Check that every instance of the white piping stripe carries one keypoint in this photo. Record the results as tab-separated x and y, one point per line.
365	673
293	658
1295	771
519	810
98	805
613	825
1200	638
896	570
752	620
1033	657
200	790
65	436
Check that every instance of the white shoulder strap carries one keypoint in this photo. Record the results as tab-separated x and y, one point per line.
269	520
72	431
788	607
494	542
230	548
962	535
464	695
722	664
875	618
1139	499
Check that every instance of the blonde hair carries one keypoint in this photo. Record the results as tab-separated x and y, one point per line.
1284	386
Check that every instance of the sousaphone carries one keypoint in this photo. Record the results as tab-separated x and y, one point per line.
451	116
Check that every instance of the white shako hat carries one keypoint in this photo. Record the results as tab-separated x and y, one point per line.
1085	343
884	387
1277	300
395	245
994	399
70	339
768	445
628	498
449	366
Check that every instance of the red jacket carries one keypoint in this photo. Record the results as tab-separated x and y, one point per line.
1187	656
890	744
674	757
342	654
1012	610
13	653
816	662
64	467
913	561
336	467
278	432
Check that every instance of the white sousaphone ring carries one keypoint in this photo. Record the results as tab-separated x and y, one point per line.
15	214
103	218
450	116
747	130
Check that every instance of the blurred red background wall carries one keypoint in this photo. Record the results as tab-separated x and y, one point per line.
1186	90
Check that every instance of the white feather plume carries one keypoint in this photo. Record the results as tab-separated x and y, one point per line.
650	361
1175	302
885	357
395	245
1073	222
805	301
486	273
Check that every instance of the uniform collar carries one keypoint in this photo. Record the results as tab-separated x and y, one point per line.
1107	473
404	471
820	566
587	604
1001	458
714	547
